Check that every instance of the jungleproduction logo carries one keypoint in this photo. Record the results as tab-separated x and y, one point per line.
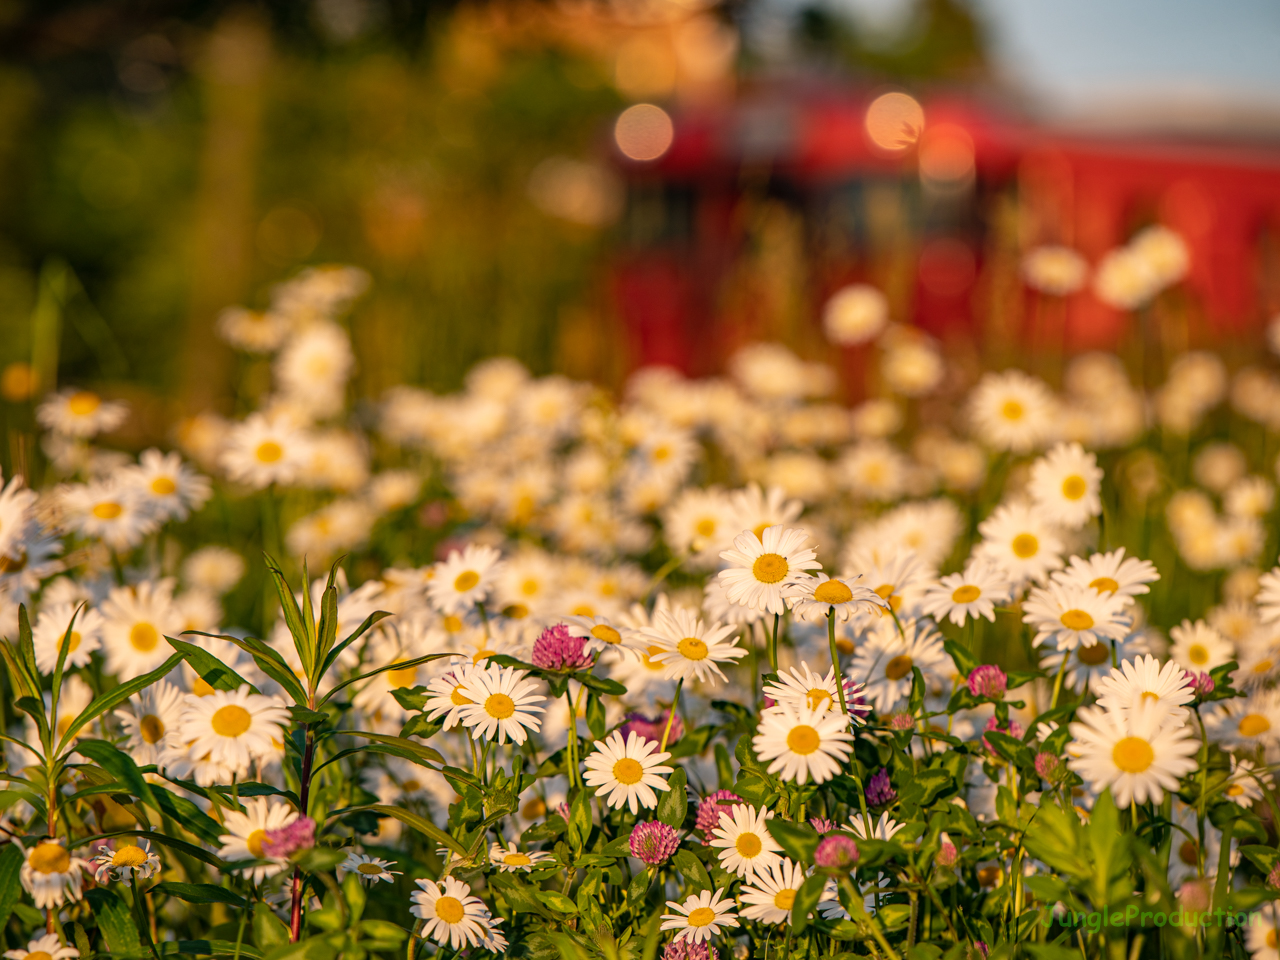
1095	920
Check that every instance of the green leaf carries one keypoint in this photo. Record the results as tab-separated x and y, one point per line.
602	685
210	948
269	931
211	670
300	714
200	893
798	840
332	657
519	896
673	805
927	785
411	749
302	641
114	697
595	716
412	820
807	898
10	886
693	870
394	665
1264	858
580	819
320	859
412	699
327	628
114	920
268	660
558	901
962	657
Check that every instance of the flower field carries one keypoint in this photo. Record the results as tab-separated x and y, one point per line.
720	668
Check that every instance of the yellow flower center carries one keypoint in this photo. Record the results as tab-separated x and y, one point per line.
457	699
832	591
760	528
1104	585
534	809
1025	546
50	858
152	728
74	644
466	580
1235	790
647	658
583	610
701	917
1198	654
602	631
163	486
691	648
82	403
705	527
1189	852
784	899
449	909
129	856
1074	487
402	677
269	452
1093	655
749	845
1132	754
845	646
1012	410
898	667
1076	620
515	611
107	510
803	739
369	869
517	860
452	623
231	720
529	587
201	687
411	785
1262	666
627	771
499	706
144	637
482	655
39	955
254	842
661	453
817	697
769	568
965	594
1273	938
1254	724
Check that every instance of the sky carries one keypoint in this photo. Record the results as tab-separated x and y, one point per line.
1088	54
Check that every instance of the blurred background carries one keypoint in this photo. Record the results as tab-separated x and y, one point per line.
594	186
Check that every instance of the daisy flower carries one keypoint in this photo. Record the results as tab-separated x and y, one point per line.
896	574
700	523
1244	786
691	649
803	744
1258	665
264	450
1073	616
169	488
1088	666
1198	647
52	875
464	579
136	621
502	701
759	567
972	593
1263	936
1054	270
1143	680
249	830
447	696
453	916
48	947
755	509
600	632
152	722
700	917
231	730
885	661
1112	573
770	898
812	597
1268	596
369	869
1246	723
80	413
747	849
1065	486
214	569
15	507
627	773
108	512
1138	753
818	692
1019	540
50	629
882	829
126	863
510	859
1012	411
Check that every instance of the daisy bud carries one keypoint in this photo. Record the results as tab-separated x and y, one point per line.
653	842
1194	895
711	807
947	854
988	681
557	650
836	852
1273	878
880	791
822	825
1048	766
652	729
279	844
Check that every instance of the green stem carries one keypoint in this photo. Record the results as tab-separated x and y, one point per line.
1057	682
572	738
835	662
671	716
773	645
662	573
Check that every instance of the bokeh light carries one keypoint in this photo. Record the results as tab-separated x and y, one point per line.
894	121
643	132
946	156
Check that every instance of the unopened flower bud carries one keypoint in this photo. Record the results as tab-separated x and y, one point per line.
947	854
